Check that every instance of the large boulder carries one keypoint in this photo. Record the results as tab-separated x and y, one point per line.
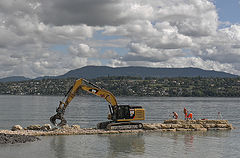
200	129
46	127
195	126
216	121
34	127
17	128
174	121
222	125
65	126
166	126
229	126
76	126
184	129
176	125
149	127
209	125
186	126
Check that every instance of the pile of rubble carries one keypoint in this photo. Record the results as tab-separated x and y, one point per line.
16	138
46	130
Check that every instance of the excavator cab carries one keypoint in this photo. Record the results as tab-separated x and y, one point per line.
130	113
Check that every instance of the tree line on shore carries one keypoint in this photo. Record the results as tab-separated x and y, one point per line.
132	86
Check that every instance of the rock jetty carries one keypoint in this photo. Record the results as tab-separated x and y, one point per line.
189	125
168	125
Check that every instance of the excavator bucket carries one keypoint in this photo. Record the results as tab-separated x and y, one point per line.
58	117
53	120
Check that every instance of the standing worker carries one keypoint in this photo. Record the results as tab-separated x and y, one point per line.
185	113
175	115
220	117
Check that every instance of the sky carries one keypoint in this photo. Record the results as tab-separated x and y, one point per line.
52	37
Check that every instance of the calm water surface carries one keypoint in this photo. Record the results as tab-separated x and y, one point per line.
88	111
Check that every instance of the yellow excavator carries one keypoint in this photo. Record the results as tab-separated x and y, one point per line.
120	115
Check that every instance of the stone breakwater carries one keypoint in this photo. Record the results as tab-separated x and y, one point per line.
190	125
167	125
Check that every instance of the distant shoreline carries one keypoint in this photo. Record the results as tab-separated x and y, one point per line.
129	86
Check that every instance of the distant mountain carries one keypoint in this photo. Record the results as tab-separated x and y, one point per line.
14	79
46	77
91	72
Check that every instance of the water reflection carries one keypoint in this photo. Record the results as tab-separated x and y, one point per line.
188	141
190	134
125	144
192	142
58	145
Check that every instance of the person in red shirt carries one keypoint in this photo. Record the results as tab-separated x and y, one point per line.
185	113
190	116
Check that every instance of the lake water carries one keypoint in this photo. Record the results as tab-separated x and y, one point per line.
88	111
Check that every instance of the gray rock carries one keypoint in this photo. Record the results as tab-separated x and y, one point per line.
14	138
34	127
76	126
46	127
17	128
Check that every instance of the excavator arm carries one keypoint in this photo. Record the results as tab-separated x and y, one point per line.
108	96
86	86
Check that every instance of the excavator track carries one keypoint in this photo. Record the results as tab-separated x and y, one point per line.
110	125
103	125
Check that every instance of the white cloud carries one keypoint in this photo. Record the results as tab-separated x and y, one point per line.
109	54
223	47
83	50
159	35
141	52
192	17
154	33
94	12
180	62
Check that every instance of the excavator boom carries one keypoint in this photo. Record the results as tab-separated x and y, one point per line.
108	96
86	86
118	113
